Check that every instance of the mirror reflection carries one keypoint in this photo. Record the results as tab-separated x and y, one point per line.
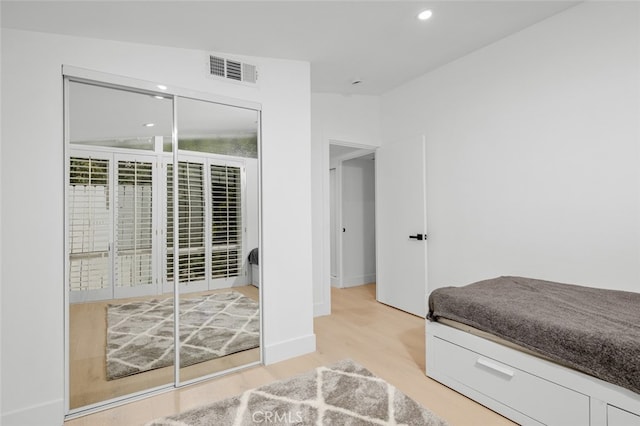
121	241
217	228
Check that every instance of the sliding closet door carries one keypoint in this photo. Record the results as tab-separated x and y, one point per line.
161	213
219	318
121	324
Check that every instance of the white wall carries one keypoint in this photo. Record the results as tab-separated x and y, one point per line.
358	219
533	152
353	120
32	212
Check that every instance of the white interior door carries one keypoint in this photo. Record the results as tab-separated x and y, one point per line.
401	226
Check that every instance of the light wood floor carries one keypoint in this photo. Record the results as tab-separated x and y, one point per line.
87	374
387	341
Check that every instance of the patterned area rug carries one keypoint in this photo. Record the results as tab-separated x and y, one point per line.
140	334
343	394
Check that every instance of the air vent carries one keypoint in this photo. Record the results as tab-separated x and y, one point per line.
216	66
233	70
249	73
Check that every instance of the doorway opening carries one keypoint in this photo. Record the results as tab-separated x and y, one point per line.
352	215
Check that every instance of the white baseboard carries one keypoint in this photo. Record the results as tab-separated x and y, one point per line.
321	309
358	280
48	413
289	349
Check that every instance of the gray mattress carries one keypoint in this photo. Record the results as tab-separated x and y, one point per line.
592	330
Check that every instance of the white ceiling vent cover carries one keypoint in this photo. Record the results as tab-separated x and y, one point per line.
232	70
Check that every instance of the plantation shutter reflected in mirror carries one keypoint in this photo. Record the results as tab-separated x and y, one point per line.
134	224
191	223
226	221
89	224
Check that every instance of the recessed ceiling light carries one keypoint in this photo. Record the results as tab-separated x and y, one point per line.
159	97
161	87
149	124
424	15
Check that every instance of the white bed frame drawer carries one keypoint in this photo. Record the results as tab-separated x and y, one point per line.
451	357
538	399
618	417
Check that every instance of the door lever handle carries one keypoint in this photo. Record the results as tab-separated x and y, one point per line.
419	237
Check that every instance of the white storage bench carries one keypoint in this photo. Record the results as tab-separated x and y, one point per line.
524	388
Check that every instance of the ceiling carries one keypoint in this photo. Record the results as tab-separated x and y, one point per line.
380	43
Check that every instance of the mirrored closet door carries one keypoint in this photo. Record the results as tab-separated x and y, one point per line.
217	228
161	215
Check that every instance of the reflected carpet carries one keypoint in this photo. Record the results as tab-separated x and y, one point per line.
140	334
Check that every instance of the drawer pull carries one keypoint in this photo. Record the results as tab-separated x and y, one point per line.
495	367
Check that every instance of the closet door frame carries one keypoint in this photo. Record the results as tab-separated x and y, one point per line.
81	75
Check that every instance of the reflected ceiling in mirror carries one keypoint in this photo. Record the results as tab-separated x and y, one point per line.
105	116
217	128
99	113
